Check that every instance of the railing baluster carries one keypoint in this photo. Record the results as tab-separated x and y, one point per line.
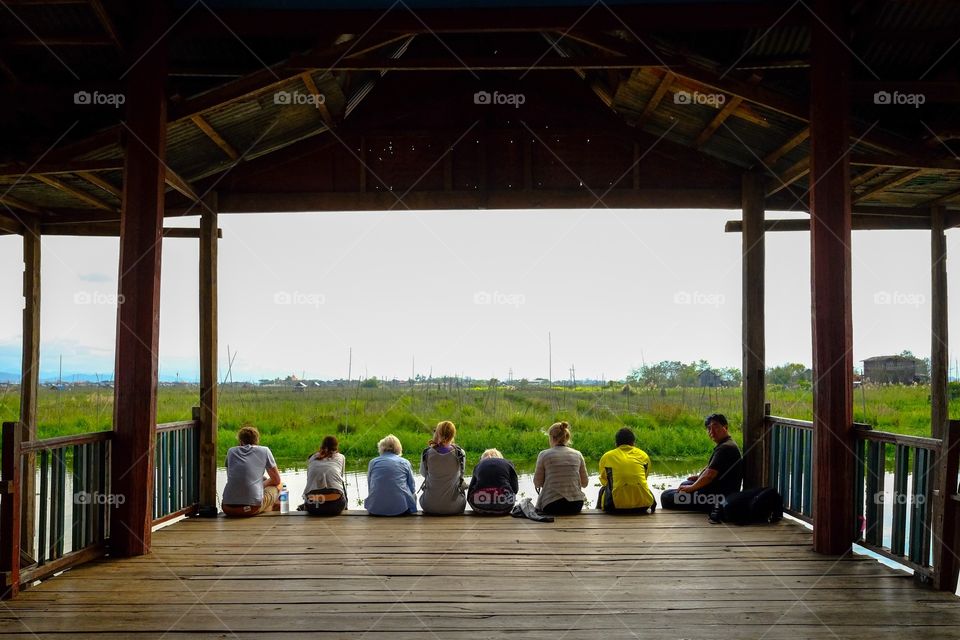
808	473
796	487
43	506
918	507
876	465
76	514
901	471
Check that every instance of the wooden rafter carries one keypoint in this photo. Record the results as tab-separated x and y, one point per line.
73	191
319	100
890	183
798	170
97	181
107	23
173	179
16	170
17	203
656	98
950	197
729	107
214	136
771	158
55	41
872	172
472	64
903	161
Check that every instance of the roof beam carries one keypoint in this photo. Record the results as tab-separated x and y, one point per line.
55	41
857	180
112	229
796	140
214	135
73	191
731	105
905	162
319	100
15	170
656	98
10	225
798	170
107	23
17	203
689	17
890	183
97	181
173	179
472	64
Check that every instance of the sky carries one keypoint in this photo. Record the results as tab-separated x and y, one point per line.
473	293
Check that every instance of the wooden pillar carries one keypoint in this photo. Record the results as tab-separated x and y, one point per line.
834	463
10	510
208	354
30	375
754	363
138	315
939	357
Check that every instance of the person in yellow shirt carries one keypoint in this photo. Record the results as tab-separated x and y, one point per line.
623	476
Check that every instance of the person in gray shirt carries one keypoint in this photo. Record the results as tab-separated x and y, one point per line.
560	475
247	492
442	465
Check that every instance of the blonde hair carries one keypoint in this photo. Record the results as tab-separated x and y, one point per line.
444	434
248	434
390	443
491	453
559	433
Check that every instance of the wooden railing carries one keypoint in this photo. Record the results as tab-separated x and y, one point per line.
907	539
74	491
176	483
791	464
923	532
71	519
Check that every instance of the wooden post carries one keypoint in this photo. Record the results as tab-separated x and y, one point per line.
208	354
939	356
946	512
138	315
754	366
30	374
834	463
10	510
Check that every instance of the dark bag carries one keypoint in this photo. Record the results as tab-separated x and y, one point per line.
753	506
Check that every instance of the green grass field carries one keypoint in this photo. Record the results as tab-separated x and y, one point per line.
667	422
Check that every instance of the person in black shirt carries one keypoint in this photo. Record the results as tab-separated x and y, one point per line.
494	485
722	476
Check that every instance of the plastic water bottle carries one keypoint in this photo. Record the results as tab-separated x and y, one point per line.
284	499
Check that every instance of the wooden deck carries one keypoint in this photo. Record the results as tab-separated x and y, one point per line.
671	575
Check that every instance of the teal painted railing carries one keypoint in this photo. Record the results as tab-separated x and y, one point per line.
70	522
896	513
791	464
177	470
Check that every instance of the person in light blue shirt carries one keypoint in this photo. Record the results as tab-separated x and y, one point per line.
390	481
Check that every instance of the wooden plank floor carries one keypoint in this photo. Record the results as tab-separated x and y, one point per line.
671	575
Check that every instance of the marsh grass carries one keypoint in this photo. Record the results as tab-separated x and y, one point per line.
668	422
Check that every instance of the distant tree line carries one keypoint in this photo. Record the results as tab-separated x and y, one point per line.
673	373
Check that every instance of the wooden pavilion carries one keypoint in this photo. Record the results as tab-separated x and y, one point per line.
118	115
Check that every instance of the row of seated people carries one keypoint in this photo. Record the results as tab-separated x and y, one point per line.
559	477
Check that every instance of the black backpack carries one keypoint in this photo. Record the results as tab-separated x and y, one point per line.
753	506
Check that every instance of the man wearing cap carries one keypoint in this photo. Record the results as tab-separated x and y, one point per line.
722	476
